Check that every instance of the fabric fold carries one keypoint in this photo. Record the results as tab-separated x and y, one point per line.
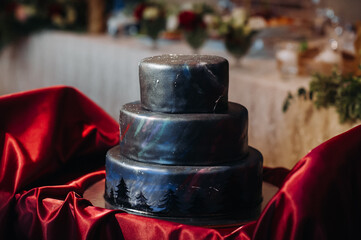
52	146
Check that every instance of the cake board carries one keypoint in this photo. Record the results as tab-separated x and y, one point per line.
95	194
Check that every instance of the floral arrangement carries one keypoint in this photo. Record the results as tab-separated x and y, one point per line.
192	22
18	19
238	29
336	90
151	17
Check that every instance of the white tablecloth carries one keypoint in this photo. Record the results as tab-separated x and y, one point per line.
106	70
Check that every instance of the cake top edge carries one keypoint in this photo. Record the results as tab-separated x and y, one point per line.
181	59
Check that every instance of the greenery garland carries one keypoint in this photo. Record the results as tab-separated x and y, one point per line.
340	91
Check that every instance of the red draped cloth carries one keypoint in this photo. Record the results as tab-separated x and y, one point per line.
52	147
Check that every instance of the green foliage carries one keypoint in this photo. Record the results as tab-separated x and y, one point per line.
335	90
203	8
196	38
237	43
303	46
348	99
325	88
153	27
287	102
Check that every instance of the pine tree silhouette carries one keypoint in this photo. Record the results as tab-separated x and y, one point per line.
122	194
111	196
170	203
141	203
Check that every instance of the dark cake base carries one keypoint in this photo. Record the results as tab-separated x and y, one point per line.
226	194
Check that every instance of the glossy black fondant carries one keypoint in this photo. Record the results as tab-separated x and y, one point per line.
183	154
183	139
202	195
184	83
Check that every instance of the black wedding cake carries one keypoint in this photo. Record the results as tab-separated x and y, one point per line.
183	154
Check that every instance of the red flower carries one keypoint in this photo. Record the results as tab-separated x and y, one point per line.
190	20
187	20
138	12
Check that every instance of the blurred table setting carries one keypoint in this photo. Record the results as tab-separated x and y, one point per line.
279	56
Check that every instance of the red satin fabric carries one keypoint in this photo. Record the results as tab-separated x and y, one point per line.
53	143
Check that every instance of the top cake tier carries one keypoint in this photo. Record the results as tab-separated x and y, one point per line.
184	83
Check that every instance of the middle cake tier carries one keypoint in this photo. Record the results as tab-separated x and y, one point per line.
183	139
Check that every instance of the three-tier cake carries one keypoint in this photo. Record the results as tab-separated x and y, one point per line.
183	154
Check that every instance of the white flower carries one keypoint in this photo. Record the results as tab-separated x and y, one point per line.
172	23
239	17
151	13
210	19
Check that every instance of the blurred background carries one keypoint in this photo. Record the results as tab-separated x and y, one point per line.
294	64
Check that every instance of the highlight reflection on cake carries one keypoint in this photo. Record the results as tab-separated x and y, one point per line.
183	152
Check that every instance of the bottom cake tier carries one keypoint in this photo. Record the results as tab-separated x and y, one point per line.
225	194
